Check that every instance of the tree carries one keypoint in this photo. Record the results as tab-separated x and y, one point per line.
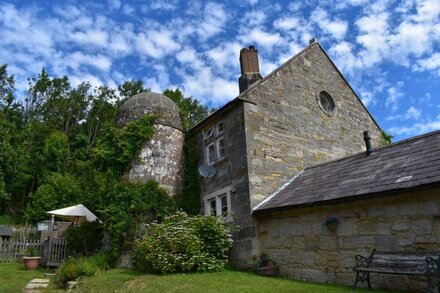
190	110
386	138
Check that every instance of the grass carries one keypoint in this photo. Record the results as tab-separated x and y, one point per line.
13	278
226	281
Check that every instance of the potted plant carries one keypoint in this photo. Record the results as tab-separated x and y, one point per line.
331	222
31	258
266	267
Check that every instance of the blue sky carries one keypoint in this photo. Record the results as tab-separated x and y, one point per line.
389	51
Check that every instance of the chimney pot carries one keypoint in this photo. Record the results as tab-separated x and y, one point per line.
251	47
367	139
313	40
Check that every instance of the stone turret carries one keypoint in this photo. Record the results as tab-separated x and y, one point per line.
161	158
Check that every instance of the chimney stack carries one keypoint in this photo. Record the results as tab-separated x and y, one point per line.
250	69
367	140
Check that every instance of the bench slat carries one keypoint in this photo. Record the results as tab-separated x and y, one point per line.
391	271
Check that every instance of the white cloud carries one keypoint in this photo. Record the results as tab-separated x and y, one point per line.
394	95
163	5
127	9
344	57
225	58
262	38
253	18
417	128
373	37
412	113
367	98
427	10
114	4
187	55
90	37
76	79
286	23
157	44
78	59
214	20
409	39
430	63
336	28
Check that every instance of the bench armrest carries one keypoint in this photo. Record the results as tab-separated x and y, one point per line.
432	265
361	261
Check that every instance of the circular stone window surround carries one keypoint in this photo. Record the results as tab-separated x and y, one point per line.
328	96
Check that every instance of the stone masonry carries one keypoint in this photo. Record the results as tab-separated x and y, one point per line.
162	157
231	171
287	130
277	129
303	248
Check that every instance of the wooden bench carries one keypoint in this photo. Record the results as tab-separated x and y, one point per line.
410	263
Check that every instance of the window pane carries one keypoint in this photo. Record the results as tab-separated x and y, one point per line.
220	127
209	133
212	207
211	153
224	204
221	148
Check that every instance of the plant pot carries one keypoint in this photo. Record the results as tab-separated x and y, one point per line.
31	262
332	227
270	270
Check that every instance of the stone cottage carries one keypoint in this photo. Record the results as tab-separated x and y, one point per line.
269	148
289	153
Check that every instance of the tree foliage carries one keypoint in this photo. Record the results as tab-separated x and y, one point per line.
386	138
59	146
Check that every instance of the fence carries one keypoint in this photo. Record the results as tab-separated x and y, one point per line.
12	250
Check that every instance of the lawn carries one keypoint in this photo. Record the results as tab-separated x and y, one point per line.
227	281
13	278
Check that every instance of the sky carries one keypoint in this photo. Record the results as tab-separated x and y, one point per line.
389	51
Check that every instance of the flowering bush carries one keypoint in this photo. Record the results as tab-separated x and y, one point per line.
183	244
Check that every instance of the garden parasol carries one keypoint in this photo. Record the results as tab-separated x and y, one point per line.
75	214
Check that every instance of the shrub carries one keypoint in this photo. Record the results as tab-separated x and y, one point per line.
127	206
183	244
74	268
85	239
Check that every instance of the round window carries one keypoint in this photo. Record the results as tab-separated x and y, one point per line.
326	103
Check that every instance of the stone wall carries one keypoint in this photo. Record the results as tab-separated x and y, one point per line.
231	172
161	159
287	129
306	250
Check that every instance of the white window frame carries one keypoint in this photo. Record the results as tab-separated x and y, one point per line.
209	133
207	153
216	127
217	194
219	157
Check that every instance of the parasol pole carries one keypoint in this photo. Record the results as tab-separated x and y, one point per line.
49	251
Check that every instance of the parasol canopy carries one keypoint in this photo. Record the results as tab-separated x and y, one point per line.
76	214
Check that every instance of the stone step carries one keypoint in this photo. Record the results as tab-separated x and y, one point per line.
40	281
32	286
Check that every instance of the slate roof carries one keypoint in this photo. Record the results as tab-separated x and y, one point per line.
410	163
